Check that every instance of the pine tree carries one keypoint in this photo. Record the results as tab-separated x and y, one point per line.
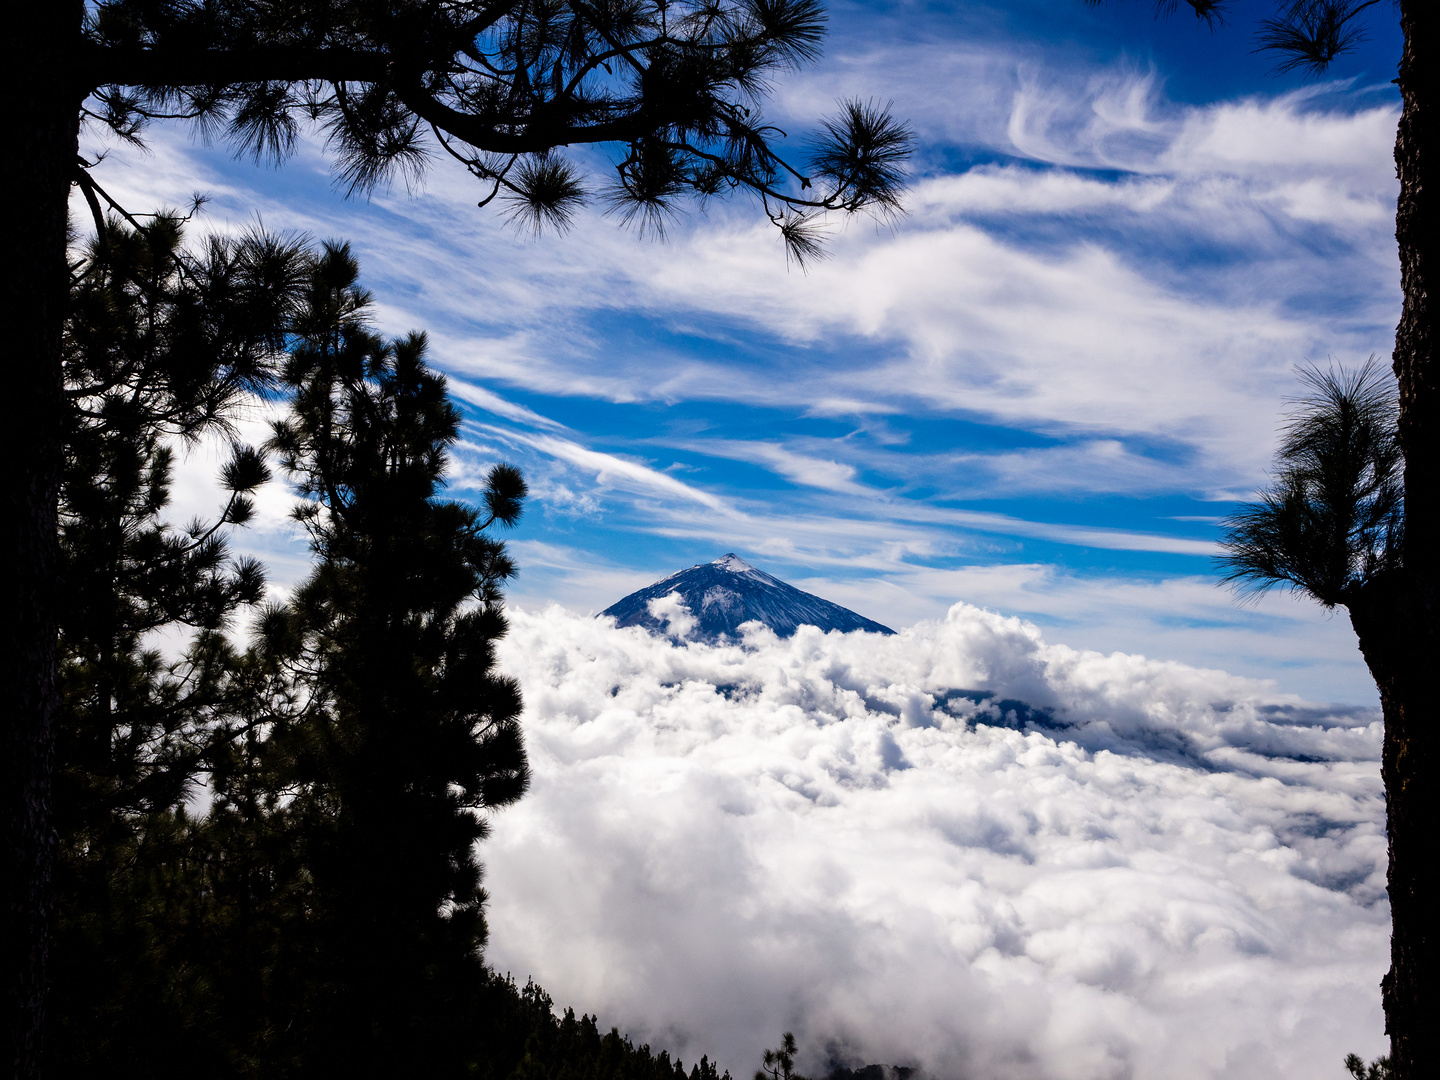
162	348
408	735
1331	524
779	1064
323	914
1379	1069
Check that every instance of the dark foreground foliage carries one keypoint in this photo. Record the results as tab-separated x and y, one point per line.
267	859
675	88
524	1039
1332	521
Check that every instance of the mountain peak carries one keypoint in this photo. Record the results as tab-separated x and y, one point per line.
711	601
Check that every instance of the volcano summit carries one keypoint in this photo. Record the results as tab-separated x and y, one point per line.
709	602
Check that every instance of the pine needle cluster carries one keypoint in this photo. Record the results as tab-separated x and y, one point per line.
1332	520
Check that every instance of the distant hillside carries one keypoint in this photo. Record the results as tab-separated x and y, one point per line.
721	595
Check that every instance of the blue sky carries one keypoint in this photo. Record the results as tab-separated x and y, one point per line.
1036	392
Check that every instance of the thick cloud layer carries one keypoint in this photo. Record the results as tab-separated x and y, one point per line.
959	847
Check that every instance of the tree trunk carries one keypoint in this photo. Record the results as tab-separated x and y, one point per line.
1384	620
1404	652
40	162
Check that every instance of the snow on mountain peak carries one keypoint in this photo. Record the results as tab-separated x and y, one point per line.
733	563
711	601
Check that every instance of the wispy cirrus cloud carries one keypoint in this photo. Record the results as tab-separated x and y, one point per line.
751	519
1078	341
613	470
491	402
805	469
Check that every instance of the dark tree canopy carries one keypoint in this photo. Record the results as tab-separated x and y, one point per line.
503	87
1379	1069
320	909
779	1063
162	348
408	736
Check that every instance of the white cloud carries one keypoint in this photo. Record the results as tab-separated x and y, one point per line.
1109	539
1178	874
802	468
492	402
611	469
1288	135
1001	296
674	614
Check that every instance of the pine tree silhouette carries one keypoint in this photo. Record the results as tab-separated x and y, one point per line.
323	915
409	734
163	346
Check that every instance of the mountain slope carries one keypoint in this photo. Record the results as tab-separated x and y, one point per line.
711	600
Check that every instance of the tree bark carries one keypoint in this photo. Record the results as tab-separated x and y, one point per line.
1400	636
1385	620
41	160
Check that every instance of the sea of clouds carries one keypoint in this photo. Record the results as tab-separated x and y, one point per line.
959	847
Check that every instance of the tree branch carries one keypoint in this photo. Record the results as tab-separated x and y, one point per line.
535	140
107	65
